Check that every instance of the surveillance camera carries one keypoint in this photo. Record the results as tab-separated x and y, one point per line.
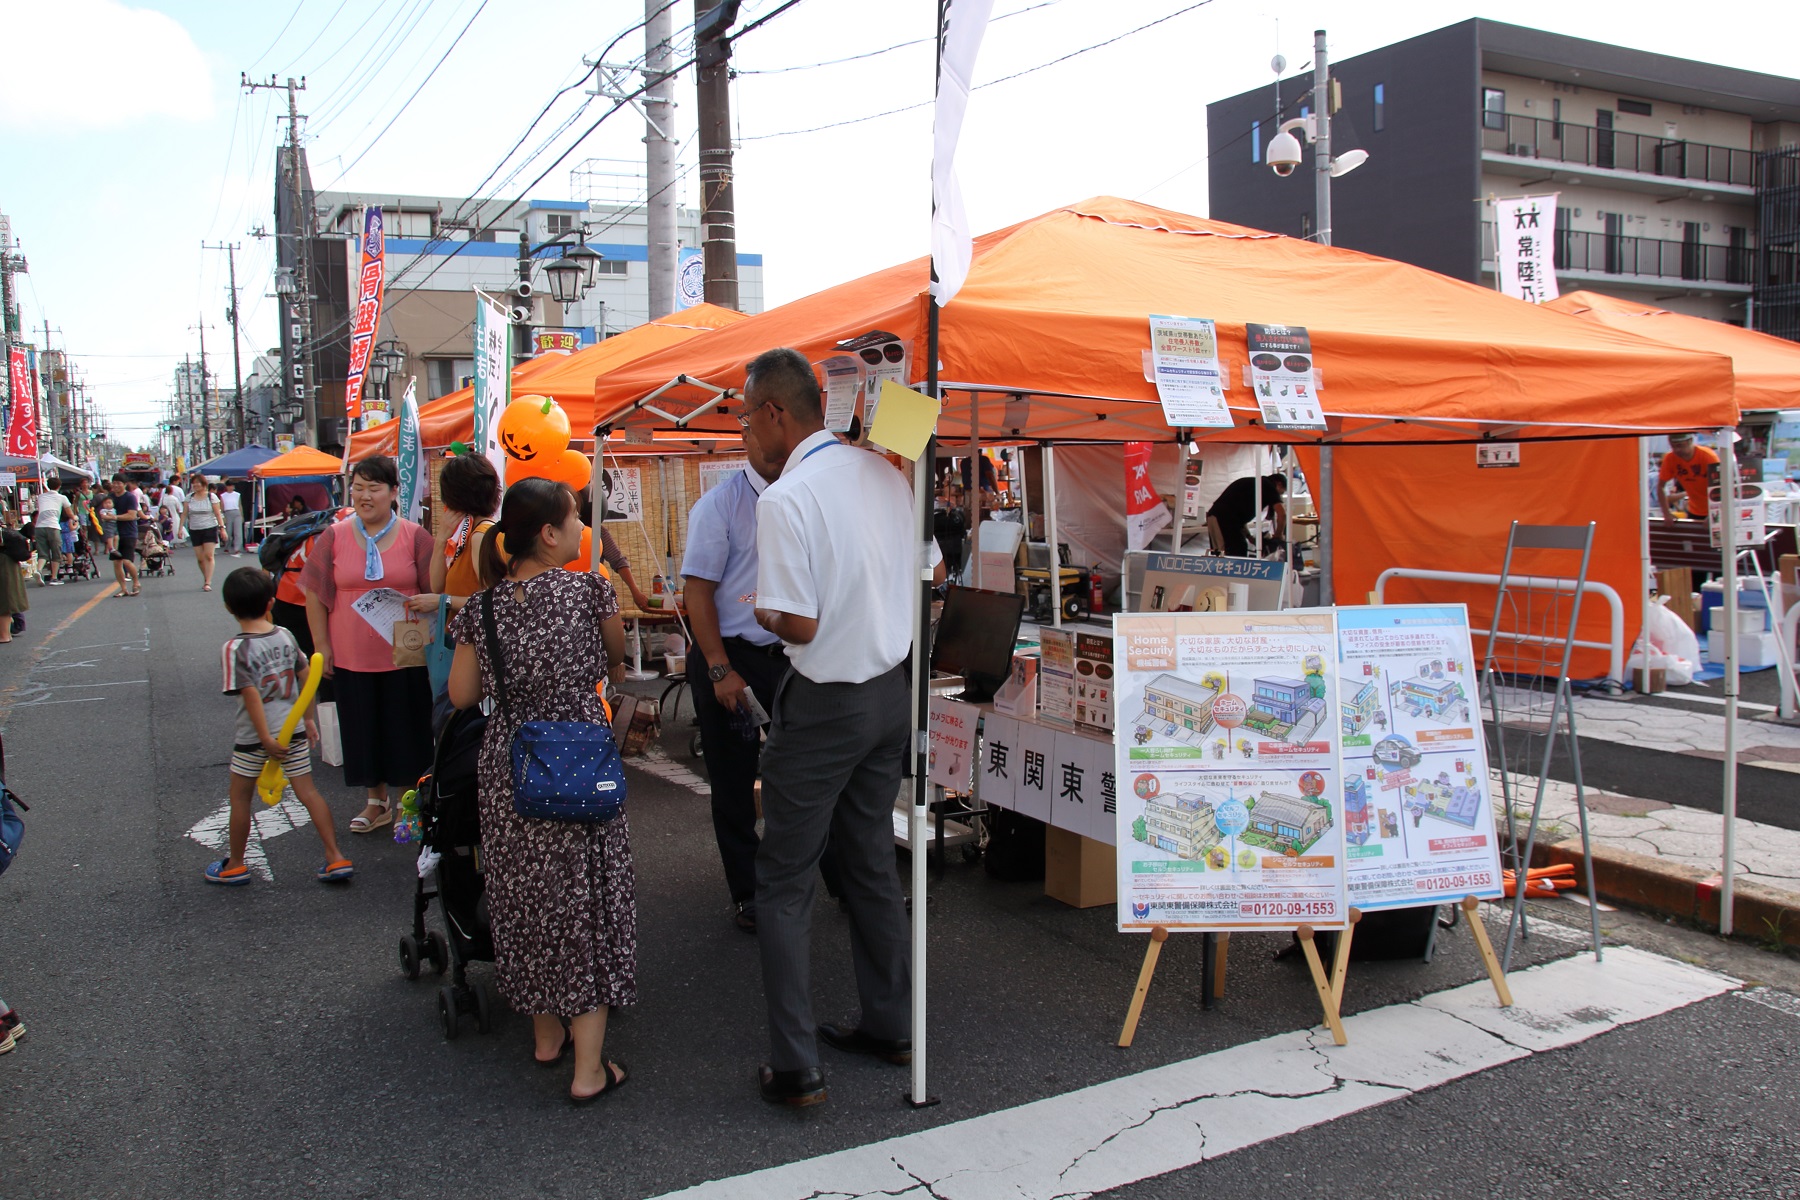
1284	153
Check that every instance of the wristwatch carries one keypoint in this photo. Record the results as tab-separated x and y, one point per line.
719	672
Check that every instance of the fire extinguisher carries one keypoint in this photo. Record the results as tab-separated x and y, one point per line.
1096	592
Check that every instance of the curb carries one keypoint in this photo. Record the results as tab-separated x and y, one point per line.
1687	893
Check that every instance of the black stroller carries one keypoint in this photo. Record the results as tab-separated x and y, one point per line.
451	824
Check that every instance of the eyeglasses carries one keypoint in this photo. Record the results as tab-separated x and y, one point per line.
743	418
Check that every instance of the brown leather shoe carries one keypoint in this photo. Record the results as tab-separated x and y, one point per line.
854	1041
796	1089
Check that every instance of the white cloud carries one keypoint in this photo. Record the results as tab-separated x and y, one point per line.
96	64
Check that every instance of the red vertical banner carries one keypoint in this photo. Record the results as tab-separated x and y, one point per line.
22	426
1145	513
367	322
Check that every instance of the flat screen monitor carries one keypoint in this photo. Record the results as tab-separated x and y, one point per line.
975	639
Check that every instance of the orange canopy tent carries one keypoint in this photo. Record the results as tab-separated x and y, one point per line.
299	463
1055	312
1766	368
568	378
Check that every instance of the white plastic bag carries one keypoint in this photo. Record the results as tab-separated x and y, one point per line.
1669	635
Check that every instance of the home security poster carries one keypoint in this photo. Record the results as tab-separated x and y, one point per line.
1418	821
1228	771
1281	375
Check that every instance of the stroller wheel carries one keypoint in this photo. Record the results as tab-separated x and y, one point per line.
694	747
447	1012
437	951
486	1006
409	956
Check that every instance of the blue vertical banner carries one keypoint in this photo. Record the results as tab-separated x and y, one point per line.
690	278
411	456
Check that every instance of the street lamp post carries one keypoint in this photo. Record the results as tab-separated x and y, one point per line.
571	276
1284	154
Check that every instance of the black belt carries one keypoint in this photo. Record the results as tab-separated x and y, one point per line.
773	649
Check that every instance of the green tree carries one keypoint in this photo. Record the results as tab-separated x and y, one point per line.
1139	830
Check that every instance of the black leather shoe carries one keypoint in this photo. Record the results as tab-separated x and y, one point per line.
743	915
796	1089
854	1041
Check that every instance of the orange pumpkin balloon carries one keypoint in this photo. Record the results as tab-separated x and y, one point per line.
533	429
571	467
579	563
537	468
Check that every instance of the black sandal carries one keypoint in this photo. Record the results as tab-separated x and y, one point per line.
613	1083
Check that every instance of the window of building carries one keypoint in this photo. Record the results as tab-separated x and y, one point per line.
1637	107
1493	108
1256	141
1556	119
400	223
558	223
612	266
1380	107
445	375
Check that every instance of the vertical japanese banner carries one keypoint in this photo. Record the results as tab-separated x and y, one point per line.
1524	239
690	278
367	322
493	381
1145	513
411	456
21	425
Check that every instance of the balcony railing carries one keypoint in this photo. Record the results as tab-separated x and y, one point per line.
1615	254
1614	150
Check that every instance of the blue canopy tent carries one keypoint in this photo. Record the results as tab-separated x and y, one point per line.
237	464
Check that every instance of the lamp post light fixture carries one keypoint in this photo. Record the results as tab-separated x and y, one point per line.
570	275
1284	156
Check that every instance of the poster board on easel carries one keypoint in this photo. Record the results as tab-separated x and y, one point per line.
1229	762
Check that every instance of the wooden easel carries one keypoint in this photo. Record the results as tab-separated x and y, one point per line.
1340	962
1327	990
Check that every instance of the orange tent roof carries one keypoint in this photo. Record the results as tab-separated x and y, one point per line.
300	461
569	378
1767	368
1055	311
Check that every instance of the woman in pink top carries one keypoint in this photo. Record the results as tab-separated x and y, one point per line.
384	711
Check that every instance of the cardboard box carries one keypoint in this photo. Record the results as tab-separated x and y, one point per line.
1079	871
1678	586
1787	569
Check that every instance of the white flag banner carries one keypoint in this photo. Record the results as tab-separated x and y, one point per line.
952	243
493	378
1524	244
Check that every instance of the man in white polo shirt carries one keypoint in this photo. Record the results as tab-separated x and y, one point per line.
837	569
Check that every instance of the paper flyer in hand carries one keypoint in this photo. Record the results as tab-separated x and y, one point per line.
1418	820
1230	784
381	607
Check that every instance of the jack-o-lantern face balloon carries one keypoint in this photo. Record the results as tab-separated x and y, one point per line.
534	428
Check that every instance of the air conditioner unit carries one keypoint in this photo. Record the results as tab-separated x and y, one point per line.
1522	150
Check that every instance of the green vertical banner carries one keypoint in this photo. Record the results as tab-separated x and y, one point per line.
411	456
493	378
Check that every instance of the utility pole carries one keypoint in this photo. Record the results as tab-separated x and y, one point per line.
237	361
1321	103
660	234
9	313
184	440
297	371
206	448
718	220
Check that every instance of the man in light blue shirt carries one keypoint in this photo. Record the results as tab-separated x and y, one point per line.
731	654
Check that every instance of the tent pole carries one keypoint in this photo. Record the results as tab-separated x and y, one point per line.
1322	502
972	574
1649	567
1050	535
919	1096
1180	504
1728	540
1256	487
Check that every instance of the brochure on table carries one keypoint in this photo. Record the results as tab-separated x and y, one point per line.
1418	821
1227	747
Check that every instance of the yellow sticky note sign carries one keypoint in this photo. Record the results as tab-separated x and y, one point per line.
904	420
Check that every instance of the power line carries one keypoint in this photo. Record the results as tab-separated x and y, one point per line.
763	137
271	46
347	42
381	51
402	109
316	36
833	62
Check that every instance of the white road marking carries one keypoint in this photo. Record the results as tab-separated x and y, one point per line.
1783	1002
661	765
214	831
1116	1133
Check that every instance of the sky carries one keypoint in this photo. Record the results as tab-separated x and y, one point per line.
127	144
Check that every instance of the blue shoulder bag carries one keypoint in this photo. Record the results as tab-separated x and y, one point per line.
12	828
561	770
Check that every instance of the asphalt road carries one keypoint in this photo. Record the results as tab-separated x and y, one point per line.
186	1040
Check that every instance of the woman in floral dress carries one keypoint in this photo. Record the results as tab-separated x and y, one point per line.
561	894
